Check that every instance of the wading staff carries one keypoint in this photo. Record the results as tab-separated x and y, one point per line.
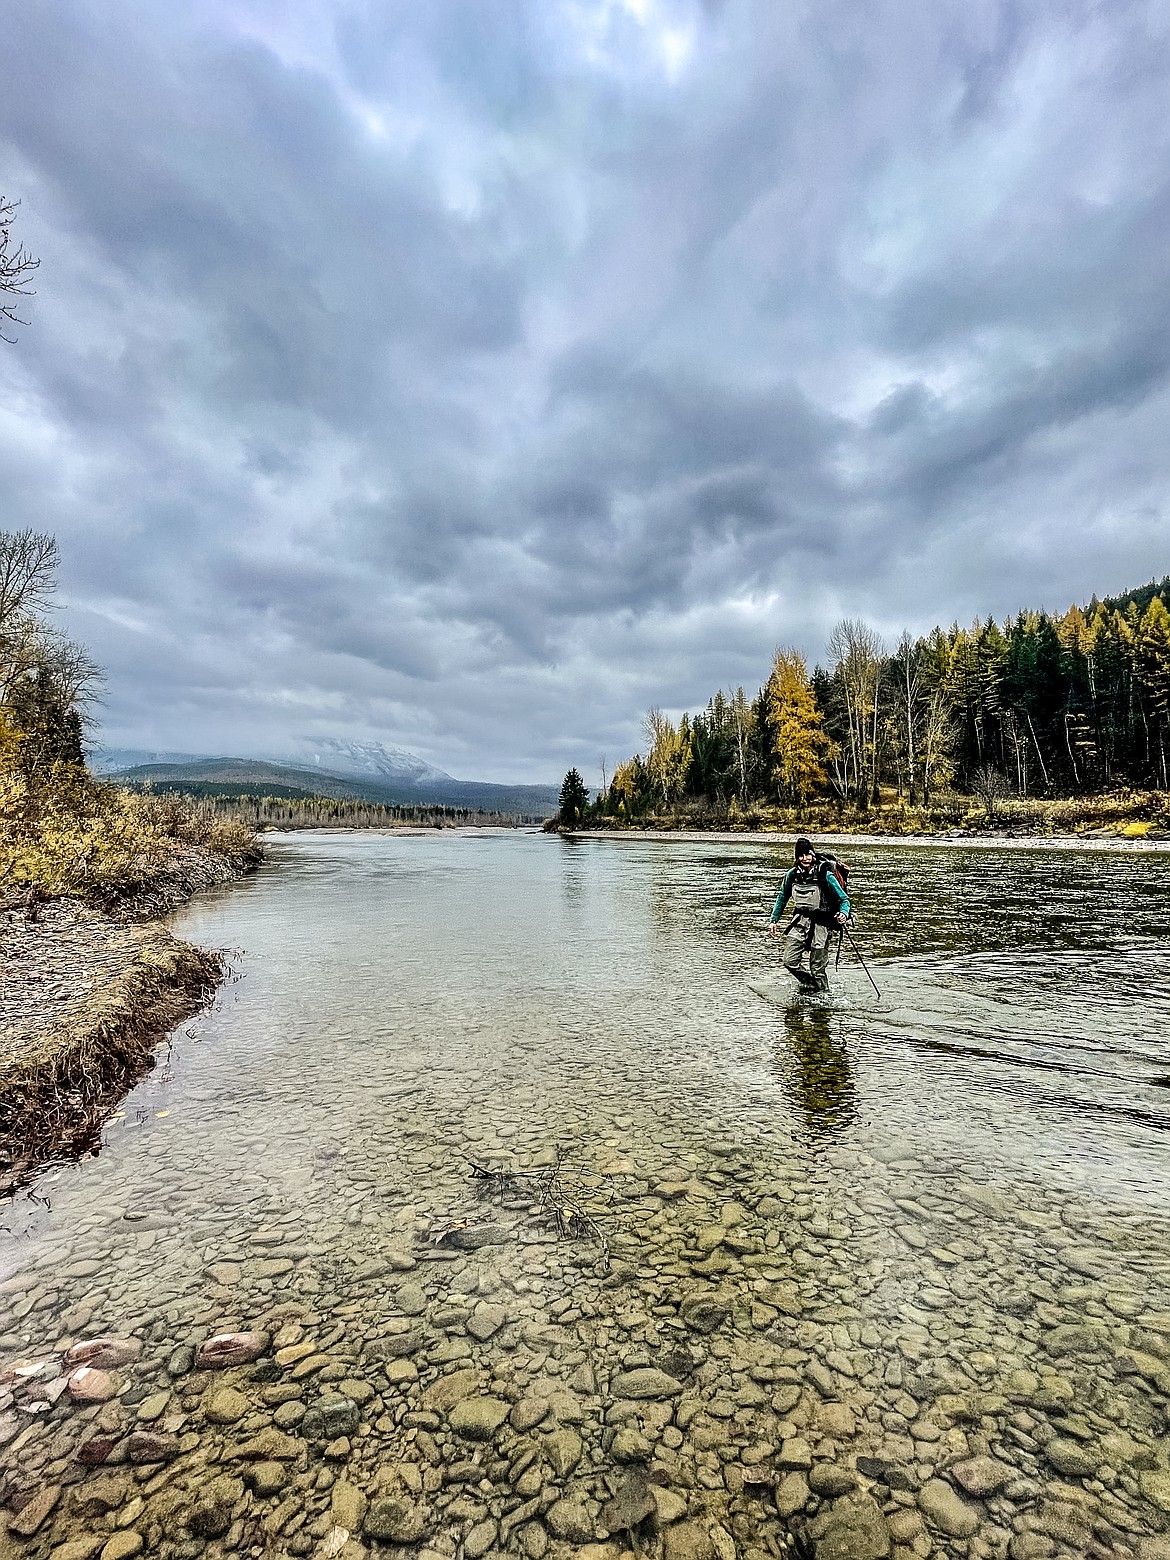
864	965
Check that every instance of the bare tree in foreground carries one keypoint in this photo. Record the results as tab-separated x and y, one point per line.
16	267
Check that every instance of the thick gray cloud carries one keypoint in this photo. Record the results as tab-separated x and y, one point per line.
472	375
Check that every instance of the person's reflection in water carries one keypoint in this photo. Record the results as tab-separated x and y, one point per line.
818	1072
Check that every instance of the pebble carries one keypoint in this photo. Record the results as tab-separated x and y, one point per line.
123	1546
104	1353
645	1384
980	1476
394	1520
943	1507
1071	1458
151	1446
852	1528
224	1405
478	1418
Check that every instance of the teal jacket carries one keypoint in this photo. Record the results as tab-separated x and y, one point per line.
833	890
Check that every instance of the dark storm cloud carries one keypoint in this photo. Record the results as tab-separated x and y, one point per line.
473	375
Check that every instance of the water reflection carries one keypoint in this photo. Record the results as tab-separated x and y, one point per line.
815	1069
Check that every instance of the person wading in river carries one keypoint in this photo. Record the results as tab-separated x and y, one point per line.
817	903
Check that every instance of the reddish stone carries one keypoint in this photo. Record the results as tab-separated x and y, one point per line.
231	1349
151	1446
104	1353
97	1450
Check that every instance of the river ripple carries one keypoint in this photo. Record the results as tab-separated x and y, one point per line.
893	1275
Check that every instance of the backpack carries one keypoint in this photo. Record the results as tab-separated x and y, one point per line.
827	862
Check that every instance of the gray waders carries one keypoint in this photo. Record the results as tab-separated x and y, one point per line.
806	933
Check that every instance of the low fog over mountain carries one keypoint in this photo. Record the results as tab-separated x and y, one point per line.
365	760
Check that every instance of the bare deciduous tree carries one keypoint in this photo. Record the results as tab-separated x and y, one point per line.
48	684
991	786
16	267
858	657
28	573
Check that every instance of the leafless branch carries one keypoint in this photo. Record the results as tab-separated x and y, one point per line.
16	267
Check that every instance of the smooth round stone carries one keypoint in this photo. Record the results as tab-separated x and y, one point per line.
267	1478
1071	1458
153	1407
528	1413
479	1418
480	1539
981	1476
942	1506
90	1385
394	1520
228	1349
569	1519
224	1405
122	1546
411	1299
329	1419
104	1353
150	1446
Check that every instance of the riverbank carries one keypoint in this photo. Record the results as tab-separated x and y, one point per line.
87	995
1118	815
956	839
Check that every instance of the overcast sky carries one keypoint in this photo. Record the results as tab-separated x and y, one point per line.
471	375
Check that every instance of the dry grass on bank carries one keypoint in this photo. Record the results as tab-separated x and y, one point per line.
1128	814
81	838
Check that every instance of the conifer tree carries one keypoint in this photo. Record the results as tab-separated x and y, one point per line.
799	742
574	799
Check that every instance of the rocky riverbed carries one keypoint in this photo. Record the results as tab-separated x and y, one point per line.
287	1313
865	1352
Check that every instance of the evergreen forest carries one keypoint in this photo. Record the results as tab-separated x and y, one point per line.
1040	707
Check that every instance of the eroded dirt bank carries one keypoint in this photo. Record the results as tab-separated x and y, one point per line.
85	998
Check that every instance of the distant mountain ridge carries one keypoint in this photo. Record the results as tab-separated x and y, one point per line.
111	761
362	760
255	775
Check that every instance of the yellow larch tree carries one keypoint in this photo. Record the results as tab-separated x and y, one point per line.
799	744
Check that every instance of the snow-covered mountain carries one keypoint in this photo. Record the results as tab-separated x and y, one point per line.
109	761
362	760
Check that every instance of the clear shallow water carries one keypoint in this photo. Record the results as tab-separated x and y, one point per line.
926	1190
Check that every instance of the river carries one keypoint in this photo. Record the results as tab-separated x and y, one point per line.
557	1228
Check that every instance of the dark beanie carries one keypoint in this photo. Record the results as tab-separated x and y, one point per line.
802	848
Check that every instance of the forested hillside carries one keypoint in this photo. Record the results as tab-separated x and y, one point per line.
1039	706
